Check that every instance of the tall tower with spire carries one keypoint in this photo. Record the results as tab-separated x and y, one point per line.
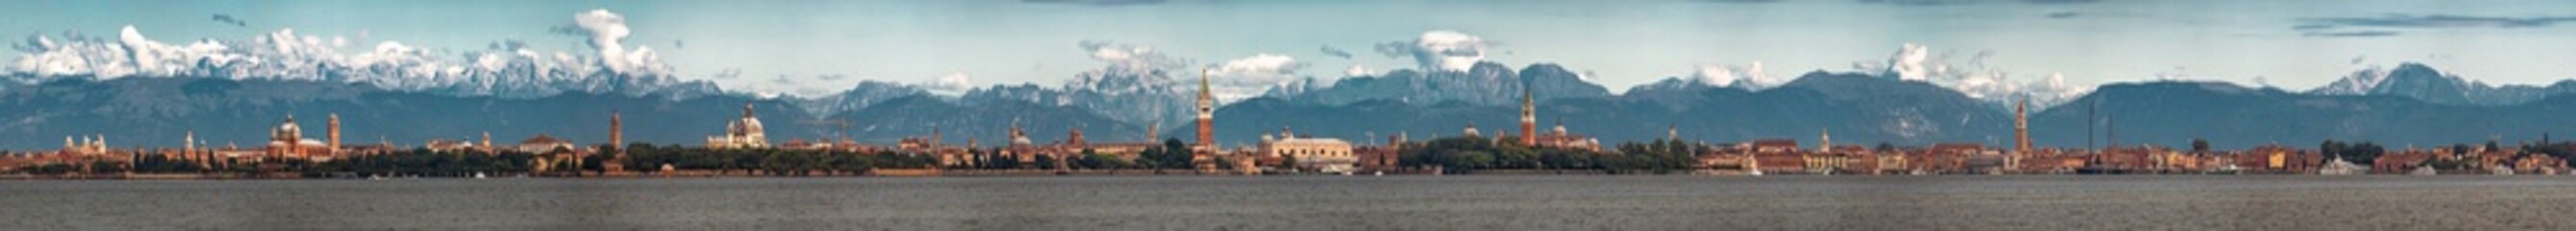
616	130
335	133
1826	140
2021	126
1529	117
1201	157
1207	113
2021	134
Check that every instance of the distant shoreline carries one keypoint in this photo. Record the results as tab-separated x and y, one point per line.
919	173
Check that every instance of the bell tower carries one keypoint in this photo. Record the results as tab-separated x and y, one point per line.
335	133
1207	113
2021	126
616	130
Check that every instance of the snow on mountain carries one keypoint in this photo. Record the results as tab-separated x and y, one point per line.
1991	85
2422	82
864	94
1748	77
2358	83
506	69
1440	50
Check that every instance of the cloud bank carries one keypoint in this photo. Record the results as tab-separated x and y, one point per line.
1912	62
1440	50
285	54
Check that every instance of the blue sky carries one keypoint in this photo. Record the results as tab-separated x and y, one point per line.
2292	44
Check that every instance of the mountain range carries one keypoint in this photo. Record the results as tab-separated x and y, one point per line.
2410	104
2421	82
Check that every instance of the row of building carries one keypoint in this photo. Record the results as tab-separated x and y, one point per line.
1289	151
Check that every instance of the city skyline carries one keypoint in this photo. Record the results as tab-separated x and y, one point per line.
1287	114
808	49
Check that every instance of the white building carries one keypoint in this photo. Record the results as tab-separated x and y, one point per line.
1322	154
741	133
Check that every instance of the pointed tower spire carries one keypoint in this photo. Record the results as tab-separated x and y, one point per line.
2021	125
1826	140
1207	112
335	133
616	129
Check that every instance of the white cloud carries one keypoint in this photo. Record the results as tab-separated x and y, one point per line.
1748	76
286	54
1440	50
1908	63
1358	70
1131	57
1914	62
951	84
608	34
1754	73
1261	69
1244	77
1713	75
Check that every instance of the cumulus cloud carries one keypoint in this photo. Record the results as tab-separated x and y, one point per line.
1267	64
951	83
1358	70
1259	70
1748	76
1440	50
608	33
1131	57
1244	77
1914	62
1908	63
1713	75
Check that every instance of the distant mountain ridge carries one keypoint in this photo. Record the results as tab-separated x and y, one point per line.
2422	82
2409	104
159	112
1486	83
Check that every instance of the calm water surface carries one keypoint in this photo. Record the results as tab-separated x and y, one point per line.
1312	203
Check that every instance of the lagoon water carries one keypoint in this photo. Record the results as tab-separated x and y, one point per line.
1589	202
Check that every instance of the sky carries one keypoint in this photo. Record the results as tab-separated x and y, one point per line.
819	47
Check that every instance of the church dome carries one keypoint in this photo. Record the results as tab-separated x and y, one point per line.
749	125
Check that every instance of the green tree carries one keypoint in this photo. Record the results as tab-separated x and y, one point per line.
2199	145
